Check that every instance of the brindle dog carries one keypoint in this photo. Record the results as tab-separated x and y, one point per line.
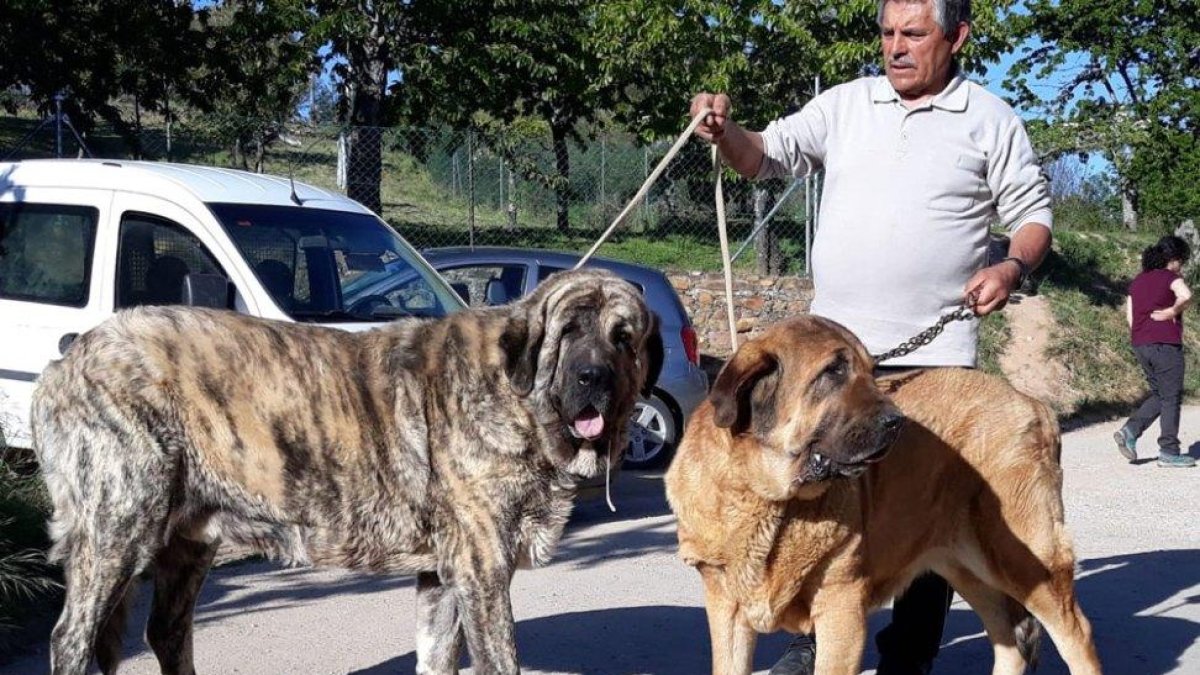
809	494
447	448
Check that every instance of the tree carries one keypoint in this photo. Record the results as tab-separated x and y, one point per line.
514	61
1127	72
364	38
764	54
259	58
102	54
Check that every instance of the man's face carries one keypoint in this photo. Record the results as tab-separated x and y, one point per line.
916	52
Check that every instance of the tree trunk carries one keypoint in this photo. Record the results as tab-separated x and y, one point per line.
562	188
364	165
368	82
1129	206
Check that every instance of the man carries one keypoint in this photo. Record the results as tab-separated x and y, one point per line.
918	164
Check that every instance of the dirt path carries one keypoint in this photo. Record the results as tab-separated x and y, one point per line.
1025	362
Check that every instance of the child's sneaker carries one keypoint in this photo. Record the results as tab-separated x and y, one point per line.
1176	461
1126	444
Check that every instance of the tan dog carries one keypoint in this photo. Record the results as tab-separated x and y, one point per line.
796	520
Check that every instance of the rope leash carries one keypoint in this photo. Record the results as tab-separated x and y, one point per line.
722	230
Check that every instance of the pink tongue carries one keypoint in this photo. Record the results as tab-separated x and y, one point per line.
589	425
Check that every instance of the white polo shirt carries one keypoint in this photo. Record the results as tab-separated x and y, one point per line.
908	198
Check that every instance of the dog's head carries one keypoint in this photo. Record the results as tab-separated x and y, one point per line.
802	406
580	349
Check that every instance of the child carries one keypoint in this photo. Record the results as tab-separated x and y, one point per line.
1154	310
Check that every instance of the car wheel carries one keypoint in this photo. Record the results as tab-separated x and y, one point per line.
652	434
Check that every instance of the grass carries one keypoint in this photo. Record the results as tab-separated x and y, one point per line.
26	579
994	335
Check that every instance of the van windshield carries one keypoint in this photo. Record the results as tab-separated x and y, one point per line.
334	266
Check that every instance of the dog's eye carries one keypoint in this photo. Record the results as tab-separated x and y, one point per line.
570	328
622	338
836	370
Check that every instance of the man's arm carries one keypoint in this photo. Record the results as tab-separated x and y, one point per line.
1129	310
992	285
798	146
1022	196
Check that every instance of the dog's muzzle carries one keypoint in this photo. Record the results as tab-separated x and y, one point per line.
820	466
592	392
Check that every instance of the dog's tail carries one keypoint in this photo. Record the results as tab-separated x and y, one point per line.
1029	639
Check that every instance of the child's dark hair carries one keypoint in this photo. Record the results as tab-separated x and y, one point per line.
1164	251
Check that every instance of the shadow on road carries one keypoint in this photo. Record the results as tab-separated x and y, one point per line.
1115	592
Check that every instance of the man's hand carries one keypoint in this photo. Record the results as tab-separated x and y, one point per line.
1167	314
991	286
713	126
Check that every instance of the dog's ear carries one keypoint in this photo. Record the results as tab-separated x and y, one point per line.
654	354
522	343
730	396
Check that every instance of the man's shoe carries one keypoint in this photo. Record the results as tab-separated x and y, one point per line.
1176	461
1126	444
799	659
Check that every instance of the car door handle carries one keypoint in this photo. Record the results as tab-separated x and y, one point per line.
64	342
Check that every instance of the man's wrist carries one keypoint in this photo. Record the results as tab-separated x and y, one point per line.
1022	270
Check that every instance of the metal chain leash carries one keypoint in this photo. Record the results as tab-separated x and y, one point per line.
964	313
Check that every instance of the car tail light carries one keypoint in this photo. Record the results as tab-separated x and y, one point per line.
691	346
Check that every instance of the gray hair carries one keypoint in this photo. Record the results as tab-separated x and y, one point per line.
947	13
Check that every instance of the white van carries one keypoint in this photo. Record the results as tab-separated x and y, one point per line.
81	239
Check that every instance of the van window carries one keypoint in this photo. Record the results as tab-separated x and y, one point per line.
333	266
46	252
154	256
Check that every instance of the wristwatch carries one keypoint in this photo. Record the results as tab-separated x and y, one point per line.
1021	265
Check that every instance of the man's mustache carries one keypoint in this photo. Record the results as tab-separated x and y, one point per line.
903	61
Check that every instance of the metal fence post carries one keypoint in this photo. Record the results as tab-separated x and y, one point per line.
603	147
471	186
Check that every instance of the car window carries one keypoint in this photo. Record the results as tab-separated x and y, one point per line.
153	257
487	285
46	252
544	272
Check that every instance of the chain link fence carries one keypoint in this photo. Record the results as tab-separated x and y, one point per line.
443	187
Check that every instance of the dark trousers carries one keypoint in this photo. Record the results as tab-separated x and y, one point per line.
1163	366
914	636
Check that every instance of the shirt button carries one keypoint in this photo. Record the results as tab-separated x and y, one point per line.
904	135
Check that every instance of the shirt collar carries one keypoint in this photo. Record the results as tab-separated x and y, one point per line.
953	98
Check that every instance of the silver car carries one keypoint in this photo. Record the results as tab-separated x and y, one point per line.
496	275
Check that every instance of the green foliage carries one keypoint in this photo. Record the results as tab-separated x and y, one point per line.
108	56
1128	86
1167	173
260	56
24	574
764	54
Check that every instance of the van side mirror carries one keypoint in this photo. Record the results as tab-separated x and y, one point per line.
206	290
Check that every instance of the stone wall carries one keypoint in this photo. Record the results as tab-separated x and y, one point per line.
758	302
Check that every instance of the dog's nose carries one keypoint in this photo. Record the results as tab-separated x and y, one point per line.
595	376
892	421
